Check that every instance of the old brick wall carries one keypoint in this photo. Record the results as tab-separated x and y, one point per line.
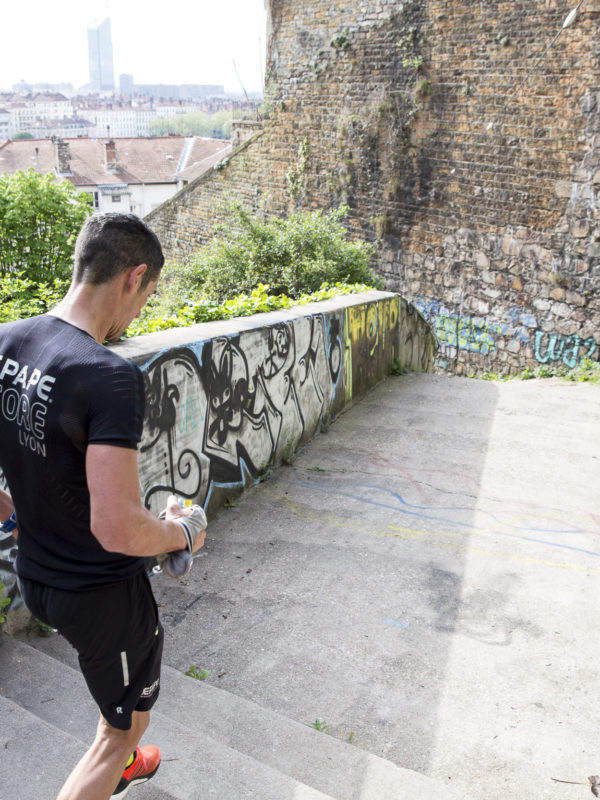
468	159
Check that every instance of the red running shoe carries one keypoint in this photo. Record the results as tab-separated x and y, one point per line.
141	769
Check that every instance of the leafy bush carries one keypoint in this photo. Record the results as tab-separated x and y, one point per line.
40	218
259	266
292	256
21	297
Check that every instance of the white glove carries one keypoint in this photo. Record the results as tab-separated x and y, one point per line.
178	563
192	524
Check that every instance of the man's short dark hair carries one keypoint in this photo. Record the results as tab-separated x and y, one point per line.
109	244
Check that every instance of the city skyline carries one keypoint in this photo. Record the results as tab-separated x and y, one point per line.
189	45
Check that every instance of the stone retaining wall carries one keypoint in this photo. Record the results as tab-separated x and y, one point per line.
467	149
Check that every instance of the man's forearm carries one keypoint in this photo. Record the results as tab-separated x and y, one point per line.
118	519
139	533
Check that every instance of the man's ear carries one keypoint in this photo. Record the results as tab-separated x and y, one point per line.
134	277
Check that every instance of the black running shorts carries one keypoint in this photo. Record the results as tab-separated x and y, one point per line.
118	636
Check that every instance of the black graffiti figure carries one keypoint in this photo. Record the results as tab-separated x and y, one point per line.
162	398
229	394
279	349
335	349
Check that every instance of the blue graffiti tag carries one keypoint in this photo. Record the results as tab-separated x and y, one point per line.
519	321
563	348
466	333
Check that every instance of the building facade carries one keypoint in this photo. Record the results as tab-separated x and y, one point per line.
128	175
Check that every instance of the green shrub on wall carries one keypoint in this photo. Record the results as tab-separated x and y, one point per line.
251	266
293	256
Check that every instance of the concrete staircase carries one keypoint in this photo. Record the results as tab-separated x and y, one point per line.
216	746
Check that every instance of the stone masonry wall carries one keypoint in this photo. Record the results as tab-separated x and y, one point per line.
467	150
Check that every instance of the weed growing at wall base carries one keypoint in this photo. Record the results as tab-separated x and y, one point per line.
192	672
587	371
4	602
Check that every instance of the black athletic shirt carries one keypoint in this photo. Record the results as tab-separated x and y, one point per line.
60	390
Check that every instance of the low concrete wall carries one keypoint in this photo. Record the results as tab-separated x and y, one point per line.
228	401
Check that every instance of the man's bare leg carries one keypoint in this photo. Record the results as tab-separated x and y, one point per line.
97	774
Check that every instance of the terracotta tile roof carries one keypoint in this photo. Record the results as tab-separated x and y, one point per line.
139	160
46	97
203	157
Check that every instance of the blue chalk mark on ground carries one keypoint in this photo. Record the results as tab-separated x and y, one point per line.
395	622
401	506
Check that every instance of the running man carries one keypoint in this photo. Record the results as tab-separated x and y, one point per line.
71	415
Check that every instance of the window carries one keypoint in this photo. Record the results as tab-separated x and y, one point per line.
116	198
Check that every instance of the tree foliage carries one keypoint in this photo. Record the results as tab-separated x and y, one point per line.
40	218
21	298
198	123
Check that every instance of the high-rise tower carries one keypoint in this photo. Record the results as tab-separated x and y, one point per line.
101	56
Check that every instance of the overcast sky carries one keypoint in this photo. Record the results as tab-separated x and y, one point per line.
172	41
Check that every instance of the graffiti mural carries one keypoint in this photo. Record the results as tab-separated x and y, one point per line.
417	345
480	335
219	413
175	410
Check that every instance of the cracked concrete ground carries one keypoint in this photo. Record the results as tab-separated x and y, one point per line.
423	579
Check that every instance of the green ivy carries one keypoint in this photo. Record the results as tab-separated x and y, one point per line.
205	310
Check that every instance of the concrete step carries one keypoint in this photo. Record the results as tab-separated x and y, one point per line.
195	766
27	740
305	755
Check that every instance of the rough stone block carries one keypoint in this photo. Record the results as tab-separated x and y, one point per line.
482	260
575	299
563	188
561	310
510	246
579	228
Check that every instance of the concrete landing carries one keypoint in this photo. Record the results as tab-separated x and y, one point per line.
423	580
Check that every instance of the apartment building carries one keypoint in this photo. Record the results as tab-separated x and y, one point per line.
130	175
